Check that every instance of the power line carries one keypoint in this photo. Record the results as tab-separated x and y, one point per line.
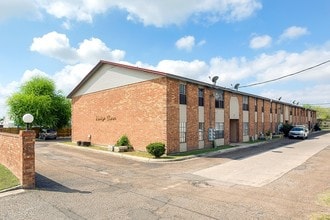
295	73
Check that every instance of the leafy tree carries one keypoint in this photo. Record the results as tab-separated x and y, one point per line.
321	112
40	98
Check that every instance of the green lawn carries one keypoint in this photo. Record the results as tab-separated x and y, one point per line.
323	199
147	155
7	179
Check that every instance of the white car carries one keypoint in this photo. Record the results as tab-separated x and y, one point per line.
299	132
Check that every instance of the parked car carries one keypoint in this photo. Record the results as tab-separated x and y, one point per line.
47	134
299	131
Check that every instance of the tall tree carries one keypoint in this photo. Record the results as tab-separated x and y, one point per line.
40	98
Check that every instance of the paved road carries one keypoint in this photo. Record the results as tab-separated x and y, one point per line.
80	184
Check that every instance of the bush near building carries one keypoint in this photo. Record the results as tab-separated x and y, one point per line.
156	149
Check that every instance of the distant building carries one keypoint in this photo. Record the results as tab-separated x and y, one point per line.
8	123
149	106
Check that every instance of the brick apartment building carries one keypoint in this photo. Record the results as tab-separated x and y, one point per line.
151	106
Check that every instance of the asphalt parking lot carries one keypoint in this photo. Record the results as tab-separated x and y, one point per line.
278	180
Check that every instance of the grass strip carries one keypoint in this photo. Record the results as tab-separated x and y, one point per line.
7	178
171	156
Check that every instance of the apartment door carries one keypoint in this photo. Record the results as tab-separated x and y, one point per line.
233	130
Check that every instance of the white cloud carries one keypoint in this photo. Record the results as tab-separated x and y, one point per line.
262	68
94	49
293	33
317	94
57	46
195	69
156	13
188	43
69	77
19	8
258	42
185	43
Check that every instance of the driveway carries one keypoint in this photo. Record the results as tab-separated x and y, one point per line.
76	183
264	168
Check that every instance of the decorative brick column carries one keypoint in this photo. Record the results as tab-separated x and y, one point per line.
27	139
18	155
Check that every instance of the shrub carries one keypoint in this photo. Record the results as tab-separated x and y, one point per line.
317	127
123	141
156	149
286	128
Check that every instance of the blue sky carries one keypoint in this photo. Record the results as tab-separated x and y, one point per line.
241	41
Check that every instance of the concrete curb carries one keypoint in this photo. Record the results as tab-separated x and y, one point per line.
11	191
152	160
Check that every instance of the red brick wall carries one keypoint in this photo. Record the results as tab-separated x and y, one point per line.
173	116
240	121
192	116
18	155
209	115
227	96
267	116
251	117
137	110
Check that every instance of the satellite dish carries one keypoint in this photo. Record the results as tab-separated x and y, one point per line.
215	79
279	98
236	86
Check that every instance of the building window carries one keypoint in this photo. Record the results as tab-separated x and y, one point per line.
219	102
263	105
276	108
183	96
201	131
245	103
200	97
256	105
219	130
183	132
245	128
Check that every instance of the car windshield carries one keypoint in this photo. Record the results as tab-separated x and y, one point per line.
297	129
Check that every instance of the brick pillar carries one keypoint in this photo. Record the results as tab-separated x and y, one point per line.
27	139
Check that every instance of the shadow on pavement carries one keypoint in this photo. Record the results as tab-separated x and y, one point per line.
46	184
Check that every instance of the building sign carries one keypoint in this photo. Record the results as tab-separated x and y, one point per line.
105	118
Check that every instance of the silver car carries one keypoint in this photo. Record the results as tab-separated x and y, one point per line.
299	132
47	134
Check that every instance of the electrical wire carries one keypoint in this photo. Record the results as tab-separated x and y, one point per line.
295	73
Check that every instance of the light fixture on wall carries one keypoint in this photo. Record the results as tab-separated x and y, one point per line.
28	119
